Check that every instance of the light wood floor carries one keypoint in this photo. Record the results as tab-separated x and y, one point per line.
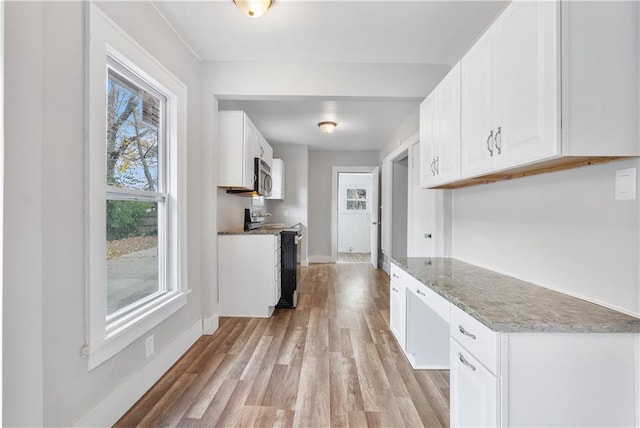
330	362
354	257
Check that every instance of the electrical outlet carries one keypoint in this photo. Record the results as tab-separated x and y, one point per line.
149	345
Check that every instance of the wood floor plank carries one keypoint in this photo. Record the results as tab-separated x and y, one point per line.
331	362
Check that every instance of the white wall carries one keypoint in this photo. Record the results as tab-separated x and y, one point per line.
354	227
296	189
47	381
320	170
563	230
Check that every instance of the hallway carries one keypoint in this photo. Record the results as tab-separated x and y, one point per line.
330	362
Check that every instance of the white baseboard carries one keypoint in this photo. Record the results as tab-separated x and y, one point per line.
124	396
320	259
210	325
304	262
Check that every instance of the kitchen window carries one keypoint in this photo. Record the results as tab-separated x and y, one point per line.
136	191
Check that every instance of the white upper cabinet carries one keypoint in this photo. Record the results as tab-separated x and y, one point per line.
527	121
510	97
440	132
239	143
263	150
236	145
549	85
478	105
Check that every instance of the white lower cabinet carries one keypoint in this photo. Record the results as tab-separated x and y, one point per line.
473	391
539	379
516	379
397	306
248	274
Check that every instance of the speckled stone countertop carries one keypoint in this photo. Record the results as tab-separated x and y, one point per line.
269	231
507	304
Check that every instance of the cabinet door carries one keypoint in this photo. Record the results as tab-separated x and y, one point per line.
528	83
478	106
428	147
250	141
448	128
397	312
473	390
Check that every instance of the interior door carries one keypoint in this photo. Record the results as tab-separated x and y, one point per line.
375	207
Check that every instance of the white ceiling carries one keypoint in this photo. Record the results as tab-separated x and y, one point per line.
373	32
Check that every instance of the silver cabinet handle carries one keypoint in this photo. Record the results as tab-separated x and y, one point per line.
437	165
465	362
394	275
498	142
420	292
466	333
261	151
489	138
432	167
394	289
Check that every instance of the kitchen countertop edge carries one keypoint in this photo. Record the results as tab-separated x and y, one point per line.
620	322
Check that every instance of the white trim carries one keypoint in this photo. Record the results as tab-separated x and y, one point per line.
304	262
319	259
210	325
123	397
105	38
335	170
1	193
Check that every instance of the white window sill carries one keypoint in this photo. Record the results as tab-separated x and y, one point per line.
126	333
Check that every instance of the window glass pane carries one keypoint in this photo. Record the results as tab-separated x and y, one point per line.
356	205
133	121
132	252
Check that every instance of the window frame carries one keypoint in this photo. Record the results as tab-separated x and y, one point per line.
347	199
105	337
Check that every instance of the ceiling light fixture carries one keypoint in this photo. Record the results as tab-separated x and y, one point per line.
327	127
253	8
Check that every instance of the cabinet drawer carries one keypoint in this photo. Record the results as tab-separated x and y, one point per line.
436	303
397	275
473	391
475	337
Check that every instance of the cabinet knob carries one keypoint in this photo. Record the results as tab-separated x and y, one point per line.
427	236
498	141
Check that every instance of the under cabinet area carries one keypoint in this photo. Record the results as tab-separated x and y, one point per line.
519	354
249	285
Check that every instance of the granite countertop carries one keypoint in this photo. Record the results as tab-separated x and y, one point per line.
507	304
270	229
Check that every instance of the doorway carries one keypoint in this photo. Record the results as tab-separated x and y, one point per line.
354	214
399	195
354	217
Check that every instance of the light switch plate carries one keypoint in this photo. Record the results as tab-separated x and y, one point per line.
625	184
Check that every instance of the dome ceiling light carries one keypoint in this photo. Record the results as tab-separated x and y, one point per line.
253	8
327	127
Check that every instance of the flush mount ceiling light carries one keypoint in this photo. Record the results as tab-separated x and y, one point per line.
327	127
253	8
